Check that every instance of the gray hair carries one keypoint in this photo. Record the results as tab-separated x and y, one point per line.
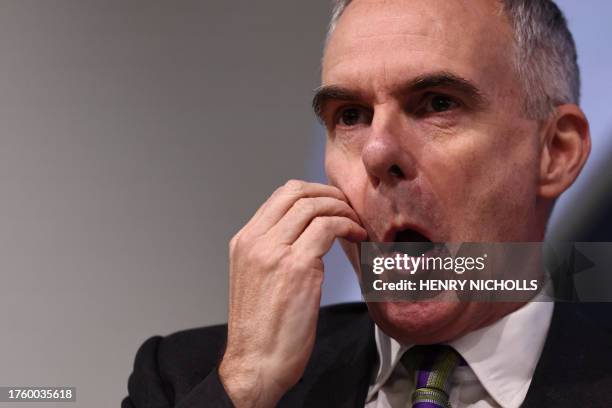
545	53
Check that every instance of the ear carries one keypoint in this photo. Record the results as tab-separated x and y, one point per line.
565	148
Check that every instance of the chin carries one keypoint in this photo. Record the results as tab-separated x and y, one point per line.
422	322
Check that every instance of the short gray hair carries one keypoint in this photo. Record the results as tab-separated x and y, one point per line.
545	53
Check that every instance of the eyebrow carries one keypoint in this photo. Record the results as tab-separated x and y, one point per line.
326	93
443	79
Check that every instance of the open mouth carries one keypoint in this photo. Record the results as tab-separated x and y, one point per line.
409	235
418	243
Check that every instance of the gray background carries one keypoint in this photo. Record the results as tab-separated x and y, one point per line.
136	137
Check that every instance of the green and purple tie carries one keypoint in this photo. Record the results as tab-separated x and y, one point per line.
435	364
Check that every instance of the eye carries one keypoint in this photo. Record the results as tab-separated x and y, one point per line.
352	116
438	103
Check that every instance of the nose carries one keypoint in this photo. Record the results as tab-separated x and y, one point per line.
386	154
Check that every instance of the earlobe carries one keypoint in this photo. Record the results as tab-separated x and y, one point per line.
565	149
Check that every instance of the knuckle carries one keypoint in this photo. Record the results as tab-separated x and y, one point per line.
320	223
339	226
279	190
263	256
345	228
288	266
254	257
306	206
239	242
306	262
294	186
233	243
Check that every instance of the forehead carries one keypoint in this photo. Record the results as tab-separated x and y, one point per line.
379	42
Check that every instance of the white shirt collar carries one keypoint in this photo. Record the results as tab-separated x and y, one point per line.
503	355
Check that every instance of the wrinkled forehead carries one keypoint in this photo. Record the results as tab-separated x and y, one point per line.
407	37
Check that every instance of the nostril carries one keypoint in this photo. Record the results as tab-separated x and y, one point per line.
395	171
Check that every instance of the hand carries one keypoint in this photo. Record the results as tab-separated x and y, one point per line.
276	272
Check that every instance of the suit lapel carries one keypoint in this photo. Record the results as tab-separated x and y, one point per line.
538	392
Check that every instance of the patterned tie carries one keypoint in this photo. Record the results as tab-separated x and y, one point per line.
434	365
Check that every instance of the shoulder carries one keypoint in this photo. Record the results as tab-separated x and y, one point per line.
183	365
577	322
576	359
579	340
185	358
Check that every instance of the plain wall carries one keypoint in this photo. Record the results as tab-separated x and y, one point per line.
136	137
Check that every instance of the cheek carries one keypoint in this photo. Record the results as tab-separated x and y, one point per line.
508	174
487	184
346	172
507	206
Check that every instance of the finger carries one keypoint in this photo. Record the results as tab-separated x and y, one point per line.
284	198
318	237
295	221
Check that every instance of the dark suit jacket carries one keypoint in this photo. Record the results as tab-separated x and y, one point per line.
180	370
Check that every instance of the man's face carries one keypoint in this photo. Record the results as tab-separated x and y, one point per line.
428	138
